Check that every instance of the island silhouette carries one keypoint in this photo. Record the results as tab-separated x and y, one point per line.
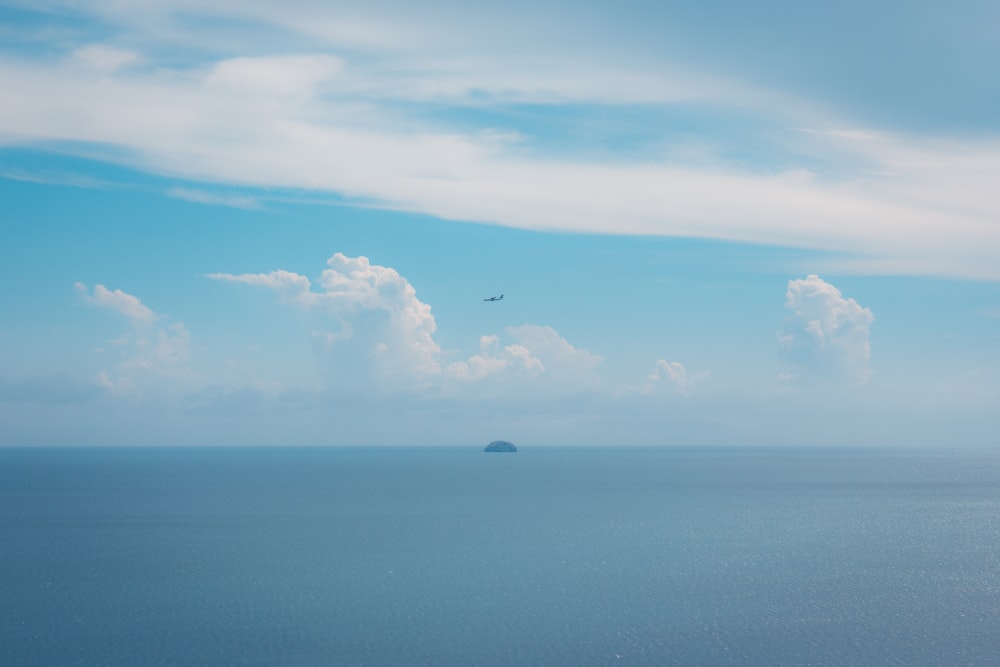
500	446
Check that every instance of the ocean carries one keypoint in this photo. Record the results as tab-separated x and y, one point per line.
451	556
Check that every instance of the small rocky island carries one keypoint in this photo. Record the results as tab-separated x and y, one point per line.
500	446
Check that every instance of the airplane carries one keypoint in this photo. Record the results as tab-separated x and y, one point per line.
494	298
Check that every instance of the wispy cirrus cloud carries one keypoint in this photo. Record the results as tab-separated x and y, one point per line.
48	177
204	197
103	58
275	75
361	103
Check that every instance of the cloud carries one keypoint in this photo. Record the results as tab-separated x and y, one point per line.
202	197
375	333
103	58
279	75
291	285
364	107
49	177
489	362
168	348
537	359
669	378
668	373
153	347
119	301
826	336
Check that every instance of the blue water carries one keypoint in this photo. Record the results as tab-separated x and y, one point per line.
454	557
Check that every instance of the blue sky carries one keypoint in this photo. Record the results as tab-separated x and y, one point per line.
713	223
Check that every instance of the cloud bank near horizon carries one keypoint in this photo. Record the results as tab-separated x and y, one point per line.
363	105
373	334
355	314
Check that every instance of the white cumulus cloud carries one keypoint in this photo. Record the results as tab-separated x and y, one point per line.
375	331
668	373
536	358
372	333
826	336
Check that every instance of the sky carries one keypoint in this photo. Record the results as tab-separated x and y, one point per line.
713	223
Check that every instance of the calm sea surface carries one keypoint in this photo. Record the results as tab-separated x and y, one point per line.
549	556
